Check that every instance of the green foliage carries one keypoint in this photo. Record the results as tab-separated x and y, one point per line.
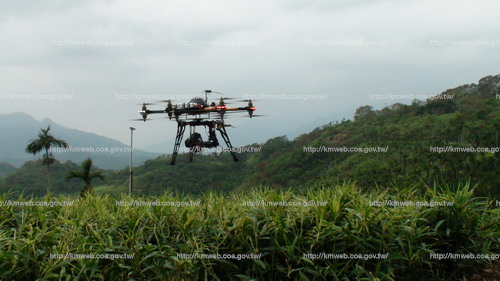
86	175
206	173
470	119
223	224
43	143
30	179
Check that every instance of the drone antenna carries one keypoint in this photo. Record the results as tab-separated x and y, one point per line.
206	95
210	92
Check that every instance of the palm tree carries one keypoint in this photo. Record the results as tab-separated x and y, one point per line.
86	175
44	142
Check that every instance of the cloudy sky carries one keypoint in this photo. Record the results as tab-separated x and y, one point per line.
338	52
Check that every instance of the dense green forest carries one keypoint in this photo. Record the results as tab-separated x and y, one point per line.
471	118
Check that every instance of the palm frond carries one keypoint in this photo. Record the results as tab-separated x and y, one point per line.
74	174
86	175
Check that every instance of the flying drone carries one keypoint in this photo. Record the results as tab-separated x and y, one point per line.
198	112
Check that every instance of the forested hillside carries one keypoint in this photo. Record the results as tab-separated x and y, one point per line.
6	168
31	179
470	119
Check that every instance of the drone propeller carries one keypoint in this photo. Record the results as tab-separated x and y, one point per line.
249	100
166	101
213	92
233	114
141	119
256	115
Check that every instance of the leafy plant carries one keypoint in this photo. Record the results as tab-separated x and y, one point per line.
223	224
44	142
87	176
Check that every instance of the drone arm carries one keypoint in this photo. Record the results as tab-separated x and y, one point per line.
154	111
145	112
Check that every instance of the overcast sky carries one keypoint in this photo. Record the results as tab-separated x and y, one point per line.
338	51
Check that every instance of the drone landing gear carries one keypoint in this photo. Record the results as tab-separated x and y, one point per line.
225	137
180	133
195	143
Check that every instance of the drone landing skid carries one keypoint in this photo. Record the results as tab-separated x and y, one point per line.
225	137
180	133
213	142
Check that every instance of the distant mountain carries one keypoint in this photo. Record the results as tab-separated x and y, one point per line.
5	169
19	128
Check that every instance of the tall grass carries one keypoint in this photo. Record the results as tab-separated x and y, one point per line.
222	224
